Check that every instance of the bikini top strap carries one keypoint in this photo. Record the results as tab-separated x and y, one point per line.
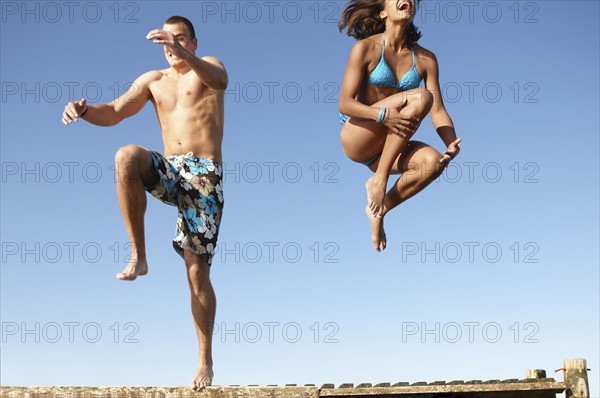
413	56
382	45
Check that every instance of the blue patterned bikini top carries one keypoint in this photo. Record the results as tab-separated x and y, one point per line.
383	76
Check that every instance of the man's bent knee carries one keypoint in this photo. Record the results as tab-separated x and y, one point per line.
133	162
130	154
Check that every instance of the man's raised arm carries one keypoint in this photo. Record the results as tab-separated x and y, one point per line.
209	70
128	104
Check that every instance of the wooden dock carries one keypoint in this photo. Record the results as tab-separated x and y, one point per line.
535	385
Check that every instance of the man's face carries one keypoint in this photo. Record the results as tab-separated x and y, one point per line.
182	34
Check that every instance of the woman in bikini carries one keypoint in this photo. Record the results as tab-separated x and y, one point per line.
380	113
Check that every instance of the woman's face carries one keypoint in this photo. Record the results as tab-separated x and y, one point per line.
399	10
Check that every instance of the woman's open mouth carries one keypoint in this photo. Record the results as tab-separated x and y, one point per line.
404	7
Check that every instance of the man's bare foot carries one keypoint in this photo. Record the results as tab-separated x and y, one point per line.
134	269
377	234
375	195
203	378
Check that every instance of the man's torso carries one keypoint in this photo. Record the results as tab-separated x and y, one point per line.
190	114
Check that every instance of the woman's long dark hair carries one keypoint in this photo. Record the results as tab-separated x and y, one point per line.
361	19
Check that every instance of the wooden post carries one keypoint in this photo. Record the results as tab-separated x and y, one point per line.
576	380
535	374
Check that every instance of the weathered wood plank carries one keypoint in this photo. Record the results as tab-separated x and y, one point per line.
533	389
536	385
158	392
418	388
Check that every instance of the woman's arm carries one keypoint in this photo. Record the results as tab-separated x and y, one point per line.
357	65
439	116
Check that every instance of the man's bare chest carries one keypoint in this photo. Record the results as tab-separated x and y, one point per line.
169	93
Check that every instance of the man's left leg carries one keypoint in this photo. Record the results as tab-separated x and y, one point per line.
204	304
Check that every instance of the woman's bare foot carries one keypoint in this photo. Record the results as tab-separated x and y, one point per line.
203	378
134	269
377	234
376	195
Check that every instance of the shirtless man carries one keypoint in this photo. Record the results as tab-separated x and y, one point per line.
188	98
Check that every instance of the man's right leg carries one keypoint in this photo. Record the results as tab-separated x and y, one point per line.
204	305
134	171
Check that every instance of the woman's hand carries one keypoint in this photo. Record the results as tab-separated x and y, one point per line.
402	125
452	151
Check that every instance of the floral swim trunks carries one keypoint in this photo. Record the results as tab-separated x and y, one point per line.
195	186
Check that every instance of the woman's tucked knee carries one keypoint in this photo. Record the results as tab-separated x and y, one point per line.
421	99
427	164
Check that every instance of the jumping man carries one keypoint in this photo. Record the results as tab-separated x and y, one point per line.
188	98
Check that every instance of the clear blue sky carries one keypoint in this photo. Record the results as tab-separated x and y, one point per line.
490	271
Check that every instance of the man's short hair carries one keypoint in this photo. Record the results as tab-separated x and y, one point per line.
176	19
